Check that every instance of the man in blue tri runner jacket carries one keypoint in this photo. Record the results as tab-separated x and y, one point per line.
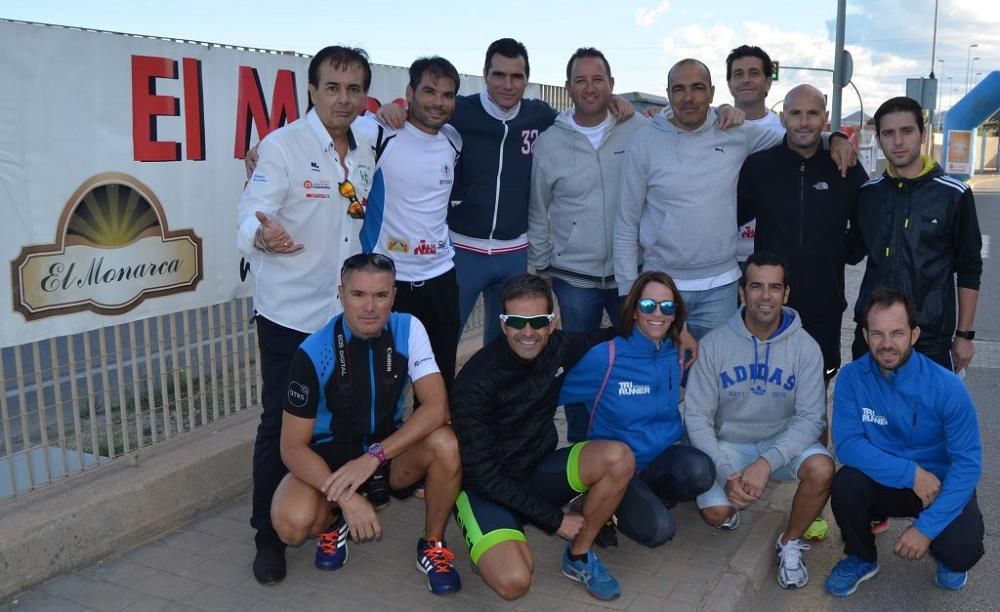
905	429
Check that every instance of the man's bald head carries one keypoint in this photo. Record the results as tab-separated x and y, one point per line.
804	116
804	92
690	61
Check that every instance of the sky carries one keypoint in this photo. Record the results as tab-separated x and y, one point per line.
890	40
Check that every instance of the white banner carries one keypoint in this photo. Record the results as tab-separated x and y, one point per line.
121	166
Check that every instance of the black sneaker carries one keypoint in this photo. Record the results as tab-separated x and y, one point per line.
269	564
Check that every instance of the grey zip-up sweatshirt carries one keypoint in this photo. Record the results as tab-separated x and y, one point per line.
574	201
677	210
742	389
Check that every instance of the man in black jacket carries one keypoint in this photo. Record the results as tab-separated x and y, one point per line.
802	205
502	408
919	229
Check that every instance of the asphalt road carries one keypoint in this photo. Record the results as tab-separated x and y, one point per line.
909	585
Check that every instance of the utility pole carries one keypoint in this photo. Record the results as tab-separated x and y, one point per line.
838	65
930	112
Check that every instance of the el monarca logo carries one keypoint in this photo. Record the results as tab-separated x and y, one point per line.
112	250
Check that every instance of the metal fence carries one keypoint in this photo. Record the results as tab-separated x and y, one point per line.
75	403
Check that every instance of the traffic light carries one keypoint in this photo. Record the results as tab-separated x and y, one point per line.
774	71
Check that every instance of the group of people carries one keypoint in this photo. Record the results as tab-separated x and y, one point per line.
424	208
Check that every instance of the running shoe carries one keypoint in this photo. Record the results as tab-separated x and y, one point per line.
818	530
592	573
435	560
948	579
730	523
331	547
849	572
792	573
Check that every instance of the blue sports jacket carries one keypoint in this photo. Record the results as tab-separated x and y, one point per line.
920	415
639	403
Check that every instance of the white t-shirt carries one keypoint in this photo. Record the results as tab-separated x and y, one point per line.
594	134
747	231
408	205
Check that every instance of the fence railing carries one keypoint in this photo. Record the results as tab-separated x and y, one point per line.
72	404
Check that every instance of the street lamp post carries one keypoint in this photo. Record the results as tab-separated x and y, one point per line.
968	65
972	67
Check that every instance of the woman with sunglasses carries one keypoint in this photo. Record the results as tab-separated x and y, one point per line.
632	384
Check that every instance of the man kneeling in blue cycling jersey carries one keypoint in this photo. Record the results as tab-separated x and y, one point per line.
343	429
504	402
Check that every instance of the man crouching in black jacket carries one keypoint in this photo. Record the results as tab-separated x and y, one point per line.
502	410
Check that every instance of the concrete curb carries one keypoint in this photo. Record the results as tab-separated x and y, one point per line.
751	562
80	521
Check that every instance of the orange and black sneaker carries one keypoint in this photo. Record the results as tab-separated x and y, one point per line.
435	560
331	548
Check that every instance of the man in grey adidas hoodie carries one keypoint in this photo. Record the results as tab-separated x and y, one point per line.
756	405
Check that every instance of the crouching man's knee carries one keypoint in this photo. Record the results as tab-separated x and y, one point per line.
817	471
513	584
293	526
444	447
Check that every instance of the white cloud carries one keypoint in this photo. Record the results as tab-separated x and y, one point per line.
646	17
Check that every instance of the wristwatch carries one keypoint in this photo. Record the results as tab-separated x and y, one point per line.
376	450
968	335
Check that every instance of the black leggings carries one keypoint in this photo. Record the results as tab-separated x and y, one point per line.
856	499
680	473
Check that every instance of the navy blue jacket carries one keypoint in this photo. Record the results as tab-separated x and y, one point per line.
492	179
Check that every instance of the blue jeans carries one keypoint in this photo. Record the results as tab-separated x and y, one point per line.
710	308
481	273
581	310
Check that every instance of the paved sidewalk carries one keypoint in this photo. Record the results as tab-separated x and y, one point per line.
206	566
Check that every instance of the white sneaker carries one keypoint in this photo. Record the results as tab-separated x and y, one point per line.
792	571
730	523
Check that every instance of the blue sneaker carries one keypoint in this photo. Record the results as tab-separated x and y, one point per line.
600	583
948	579
331	548
435	560
849	572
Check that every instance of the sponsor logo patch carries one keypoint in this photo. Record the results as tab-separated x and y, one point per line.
425	248
868	416
298	394
397	245
627	387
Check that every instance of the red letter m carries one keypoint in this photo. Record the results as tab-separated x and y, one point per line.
250	106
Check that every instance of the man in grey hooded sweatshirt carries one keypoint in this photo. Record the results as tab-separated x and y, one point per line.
678	197
574	199
756	405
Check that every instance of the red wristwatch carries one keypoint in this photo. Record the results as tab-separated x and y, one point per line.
376	450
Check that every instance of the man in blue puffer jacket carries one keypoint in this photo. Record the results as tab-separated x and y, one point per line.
905	429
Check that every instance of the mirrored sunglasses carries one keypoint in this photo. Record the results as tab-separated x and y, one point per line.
648	305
